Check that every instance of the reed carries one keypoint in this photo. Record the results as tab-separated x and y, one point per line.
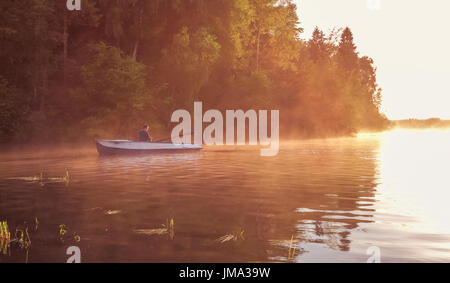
171	228
4	231
231	237
23	235
21	238
5	238
292	248
168	228
66	178
36	224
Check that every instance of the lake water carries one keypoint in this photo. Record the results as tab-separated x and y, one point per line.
326	200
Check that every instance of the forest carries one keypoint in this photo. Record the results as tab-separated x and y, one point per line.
117	64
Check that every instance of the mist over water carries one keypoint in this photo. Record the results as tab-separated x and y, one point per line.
334	198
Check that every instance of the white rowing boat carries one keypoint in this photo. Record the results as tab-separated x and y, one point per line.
134	147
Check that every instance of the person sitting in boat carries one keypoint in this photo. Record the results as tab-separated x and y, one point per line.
144	136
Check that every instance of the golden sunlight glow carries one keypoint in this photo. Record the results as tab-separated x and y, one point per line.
411	55
413	171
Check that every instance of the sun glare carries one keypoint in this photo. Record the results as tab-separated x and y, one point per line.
413	171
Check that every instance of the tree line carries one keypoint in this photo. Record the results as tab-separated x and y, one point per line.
105	70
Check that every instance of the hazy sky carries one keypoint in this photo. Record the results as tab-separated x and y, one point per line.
409	41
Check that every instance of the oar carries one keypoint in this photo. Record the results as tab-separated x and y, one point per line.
166	139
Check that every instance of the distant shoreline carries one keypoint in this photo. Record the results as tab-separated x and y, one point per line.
431	123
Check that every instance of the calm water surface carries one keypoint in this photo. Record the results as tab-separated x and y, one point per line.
330	199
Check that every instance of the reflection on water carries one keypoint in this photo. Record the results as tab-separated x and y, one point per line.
318	200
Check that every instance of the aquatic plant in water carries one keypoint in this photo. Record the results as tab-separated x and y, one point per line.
65	236
168	228
66	178
42	180
4	231
21	238
5	238
112	212
291	244
231	237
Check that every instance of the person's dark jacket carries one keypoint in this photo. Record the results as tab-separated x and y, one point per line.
144	136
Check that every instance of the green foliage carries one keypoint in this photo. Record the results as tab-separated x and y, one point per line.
13	107
190	57
105	70
339	93
112	92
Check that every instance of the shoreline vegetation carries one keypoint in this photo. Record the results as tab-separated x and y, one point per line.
102	72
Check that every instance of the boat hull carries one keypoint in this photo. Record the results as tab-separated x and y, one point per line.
111	147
